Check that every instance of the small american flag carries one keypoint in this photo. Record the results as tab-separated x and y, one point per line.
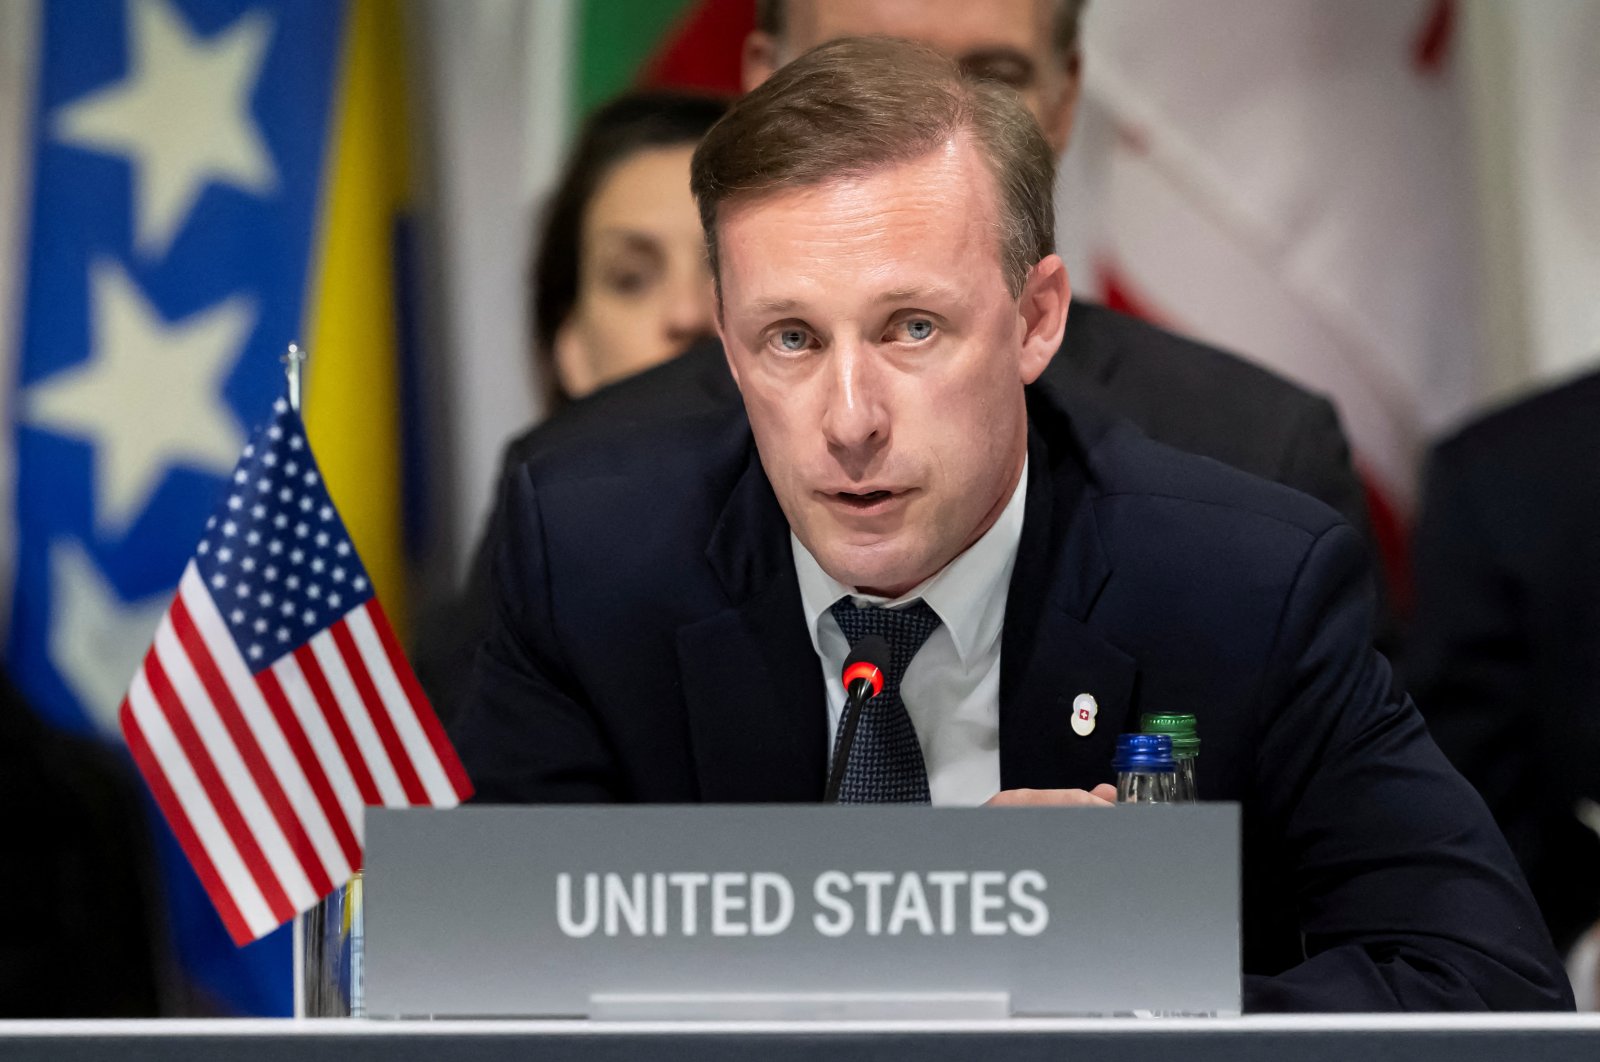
276	702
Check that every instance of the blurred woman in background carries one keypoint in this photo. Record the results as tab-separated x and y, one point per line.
620	281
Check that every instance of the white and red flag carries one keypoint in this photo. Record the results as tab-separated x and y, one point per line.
276	702
1292	180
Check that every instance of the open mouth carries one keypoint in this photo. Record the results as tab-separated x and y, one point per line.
868	502
864	501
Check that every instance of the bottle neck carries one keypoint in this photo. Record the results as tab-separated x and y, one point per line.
1186	790
1147	787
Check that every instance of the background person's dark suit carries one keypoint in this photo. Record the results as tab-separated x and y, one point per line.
1507	642
649	645
1180	392
79	930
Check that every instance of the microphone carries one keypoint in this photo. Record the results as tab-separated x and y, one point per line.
863	680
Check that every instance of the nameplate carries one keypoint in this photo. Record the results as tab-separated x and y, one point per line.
579	911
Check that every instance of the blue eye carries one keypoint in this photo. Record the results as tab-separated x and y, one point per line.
792	340
910	330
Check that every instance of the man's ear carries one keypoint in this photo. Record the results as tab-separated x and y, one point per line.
758	59
1045	299
574	368
1063	111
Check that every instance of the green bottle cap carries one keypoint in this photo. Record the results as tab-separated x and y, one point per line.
1180	726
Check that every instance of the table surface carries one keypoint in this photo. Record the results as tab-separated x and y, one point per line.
1455	1038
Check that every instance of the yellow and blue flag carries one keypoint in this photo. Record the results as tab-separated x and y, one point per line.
191	185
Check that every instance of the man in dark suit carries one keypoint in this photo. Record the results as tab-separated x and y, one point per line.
673	601
1180	392
1507	640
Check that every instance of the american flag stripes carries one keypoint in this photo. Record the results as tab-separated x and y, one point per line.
276	703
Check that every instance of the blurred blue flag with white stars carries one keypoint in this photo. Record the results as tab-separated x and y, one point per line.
165	214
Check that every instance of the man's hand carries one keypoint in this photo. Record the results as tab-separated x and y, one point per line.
1100	796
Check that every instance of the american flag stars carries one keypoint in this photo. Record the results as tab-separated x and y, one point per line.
291	518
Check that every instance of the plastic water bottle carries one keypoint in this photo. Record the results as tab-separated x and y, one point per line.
1180	727
1146	773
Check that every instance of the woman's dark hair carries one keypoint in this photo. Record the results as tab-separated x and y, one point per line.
629	124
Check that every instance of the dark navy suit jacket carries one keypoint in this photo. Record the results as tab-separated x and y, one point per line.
1178	392
1507	639
649	645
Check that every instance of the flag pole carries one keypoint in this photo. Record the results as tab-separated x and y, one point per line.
293	359
321	996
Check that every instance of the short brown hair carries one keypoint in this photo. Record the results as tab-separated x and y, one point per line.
772	18
858	104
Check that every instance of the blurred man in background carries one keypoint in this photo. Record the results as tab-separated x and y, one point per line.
1506	646
80	937
1028	45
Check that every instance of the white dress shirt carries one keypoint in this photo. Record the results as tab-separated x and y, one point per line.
951	688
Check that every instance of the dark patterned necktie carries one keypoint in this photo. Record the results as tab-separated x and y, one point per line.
885	764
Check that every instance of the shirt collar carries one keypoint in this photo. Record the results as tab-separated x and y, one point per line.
969	593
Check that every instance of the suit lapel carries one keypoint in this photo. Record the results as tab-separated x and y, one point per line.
751	681
753	687
1049	655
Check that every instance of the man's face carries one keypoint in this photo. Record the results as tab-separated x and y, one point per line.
882	360
1004	40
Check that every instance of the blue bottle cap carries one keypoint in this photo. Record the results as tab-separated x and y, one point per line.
1143	752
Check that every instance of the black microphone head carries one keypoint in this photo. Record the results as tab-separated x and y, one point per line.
866	664
871	649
